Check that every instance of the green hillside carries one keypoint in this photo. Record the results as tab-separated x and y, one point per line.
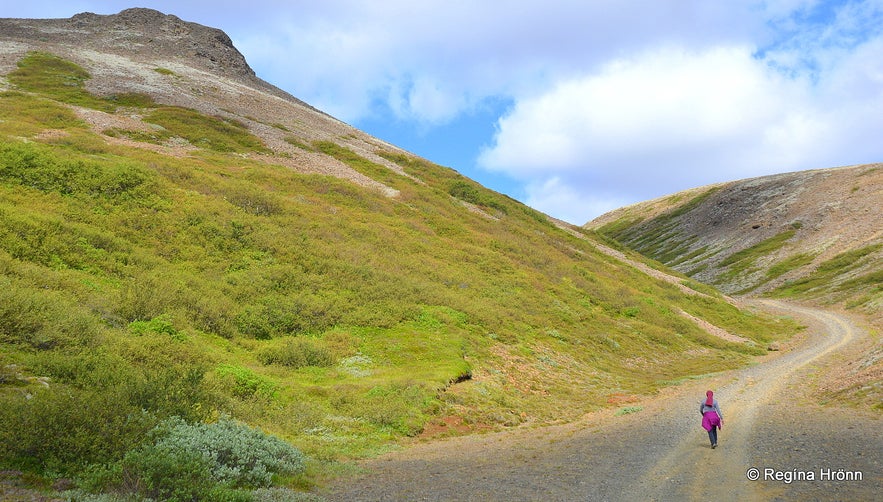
142	291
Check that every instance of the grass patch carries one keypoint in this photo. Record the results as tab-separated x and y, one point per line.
54	77
743	260
789	264
370	169
294	141
474	194
874	280
749	255
63	80
628	410
658	237
214	133
27	115
827	271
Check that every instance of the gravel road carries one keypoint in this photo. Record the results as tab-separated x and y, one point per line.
661	452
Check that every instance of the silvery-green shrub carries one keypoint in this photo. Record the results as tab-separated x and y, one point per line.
237	455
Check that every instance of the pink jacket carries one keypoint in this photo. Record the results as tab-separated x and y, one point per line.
710	420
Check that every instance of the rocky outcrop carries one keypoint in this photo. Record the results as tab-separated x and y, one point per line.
137	32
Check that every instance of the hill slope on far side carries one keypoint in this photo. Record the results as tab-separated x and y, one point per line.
814	236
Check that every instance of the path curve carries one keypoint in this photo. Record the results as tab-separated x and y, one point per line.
660	453
691	473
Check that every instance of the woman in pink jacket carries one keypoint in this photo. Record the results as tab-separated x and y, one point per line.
712	419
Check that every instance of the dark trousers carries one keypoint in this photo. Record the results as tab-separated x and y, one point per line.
712	435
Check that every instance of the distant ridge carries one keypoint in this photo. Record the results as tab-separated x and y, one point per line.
773	235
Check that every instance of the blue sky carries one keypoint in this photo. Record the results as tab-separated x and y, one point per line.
574	107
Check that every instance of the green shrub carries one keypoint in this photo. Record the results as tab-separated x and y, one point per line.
42	320
142	298
298	353
161	473
42	168
254	201
161	324
237	455
628	410
245	383
173	391
184	461
61	429
287	315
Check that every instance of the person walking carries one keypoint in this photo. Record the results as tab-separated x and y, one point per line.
712	418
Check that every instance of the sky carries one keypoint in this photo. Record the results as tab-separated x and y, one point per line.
574	107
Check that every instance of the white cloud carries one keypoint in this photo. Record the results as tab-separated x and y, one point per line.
651	103
669	119
432	61
568	202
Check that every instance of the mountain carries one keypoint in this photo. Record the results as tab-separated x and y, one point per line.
810	234
813	236
188	252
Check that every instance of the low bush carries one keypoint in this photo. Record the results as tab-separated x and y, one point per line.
827	271
161	325
42	320
244	383
399	407
298	353
61	429
42	168
254	201
183	461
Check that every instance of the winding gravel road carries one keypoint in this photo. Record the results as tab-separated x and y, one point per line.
800	450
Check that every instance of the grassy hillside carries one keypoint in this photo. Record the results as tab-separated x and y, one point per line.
145	291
